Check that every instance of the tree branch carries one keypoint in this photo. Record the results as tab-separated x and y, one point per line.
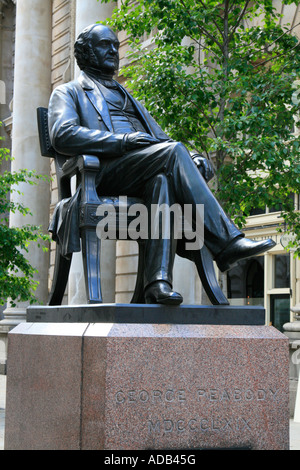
275	57
283	34
214	22
204	30
239	20
199	109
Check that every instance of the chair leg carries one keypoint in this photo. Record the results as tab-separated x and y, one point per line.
91	246
138	295
60	277
205	267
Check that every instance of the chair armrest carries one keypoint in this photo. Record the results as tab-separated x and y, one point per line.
88	162
80	163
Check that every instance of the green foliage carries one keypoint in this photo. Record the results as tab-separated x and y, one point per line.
17	281
221	77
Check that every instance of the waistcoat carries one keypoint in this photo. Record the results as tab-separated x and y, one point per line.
123	116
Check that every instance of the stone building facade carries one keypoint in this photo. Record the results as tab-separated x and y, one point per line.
36	55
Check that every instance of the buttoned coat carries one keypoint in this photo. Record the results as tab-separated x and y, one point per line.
80	123
79	120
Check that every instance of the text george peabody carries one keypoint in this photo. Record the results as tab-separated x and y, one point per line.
210	394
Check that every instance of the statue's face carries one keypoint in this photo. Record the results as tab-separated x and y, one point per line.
105	46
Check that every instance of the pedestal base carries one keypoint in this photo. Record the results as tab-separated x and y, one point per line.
148	313
146	386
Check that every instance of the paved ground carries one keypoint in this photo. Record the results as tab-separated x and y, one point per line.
294	435
294	427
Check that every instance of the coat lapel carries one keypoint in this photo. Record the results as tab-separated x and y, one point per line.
96	98
98	101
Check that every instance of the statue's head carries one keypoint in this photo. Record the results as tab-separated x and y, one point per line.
97	47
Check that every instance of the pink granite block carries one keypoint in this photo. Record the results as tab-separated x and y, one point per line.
44	387
137	386
184	387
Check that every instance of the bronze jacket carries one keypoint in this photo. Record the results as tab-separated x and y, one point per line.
80	123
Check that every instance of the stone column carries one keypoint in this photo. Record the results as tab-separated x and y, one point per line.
32	88
292	331
89	12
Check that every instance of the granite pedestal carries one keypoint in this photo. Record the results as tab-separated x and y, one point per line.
135	386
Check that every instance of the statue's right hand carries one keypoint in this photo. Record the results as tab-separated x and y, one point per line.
138	139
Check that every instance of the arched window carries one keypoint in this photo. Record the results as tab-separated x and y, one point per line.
245	282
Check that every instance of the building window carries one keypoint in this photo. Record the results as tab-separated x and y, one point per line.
279	293
278	207
257	211
280	310
255	280
245	282
281	271
295	198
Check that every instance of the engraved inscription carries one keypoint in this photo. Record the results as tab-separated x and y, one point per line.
200	395
216	424
153	396
174	400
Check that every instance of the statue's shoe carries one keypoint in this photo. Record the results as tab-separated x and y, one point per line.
160	292
241	248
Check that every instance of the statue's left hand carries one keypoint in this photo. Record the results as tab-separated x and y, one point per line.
204	166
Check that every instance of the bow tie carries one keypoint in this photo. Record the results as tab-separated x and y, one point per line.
102	79
108	83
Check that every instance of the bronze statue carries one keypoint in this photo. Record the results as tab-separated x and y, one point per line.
95	115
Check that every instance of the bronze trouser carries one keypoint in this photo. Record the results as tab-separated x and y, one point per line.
164	173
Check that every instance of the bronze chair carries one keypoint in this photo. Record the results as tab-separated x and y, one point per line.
85	168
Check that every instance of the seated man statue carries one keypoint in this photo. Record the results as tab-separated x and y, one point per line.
95	115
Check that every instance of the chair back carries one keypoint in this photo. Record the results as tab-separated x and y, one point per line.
47	150
45	144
